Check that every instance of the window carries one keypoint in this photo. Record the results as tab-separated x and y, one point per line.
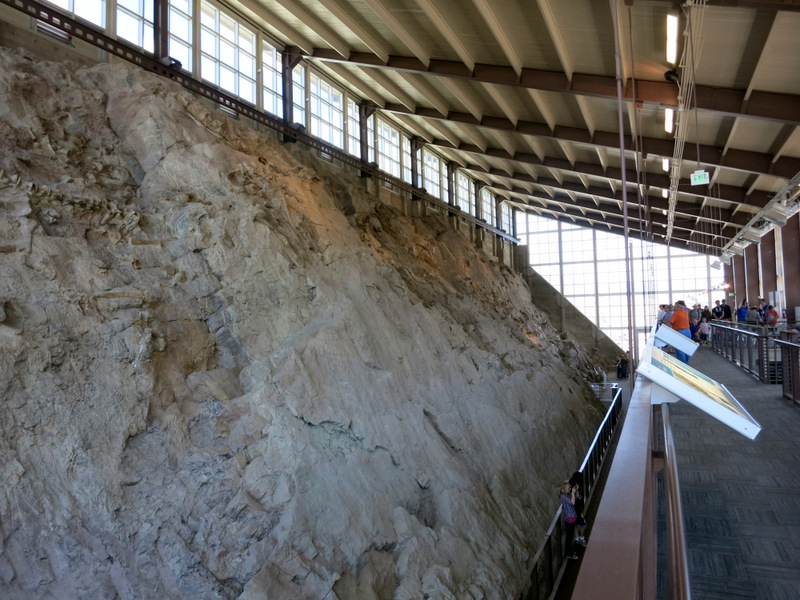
505	217
432	174
271	79
326	108
353	128
180	32
487	206
299	94
92	11
463	195
227	53
388	148
134	20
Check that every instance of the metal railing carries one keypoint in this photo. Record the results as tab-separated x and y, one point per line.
549	558
752	347
789	343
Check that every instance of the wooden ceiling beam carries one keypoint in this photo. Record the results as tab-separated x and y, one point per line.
772	106
757	163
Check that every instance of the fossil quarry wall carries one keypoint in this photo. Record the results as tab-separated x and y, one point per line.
228	371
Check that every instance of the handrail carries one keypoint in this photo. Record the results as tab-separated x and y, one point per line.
787	343
790	356
752	347
540	584
678	555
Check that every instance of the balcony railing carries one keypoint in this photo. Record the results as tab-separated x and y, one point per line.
548	560
789	343
752	347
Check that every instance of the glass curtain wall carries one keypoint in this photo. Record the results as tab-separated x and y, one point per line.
588	267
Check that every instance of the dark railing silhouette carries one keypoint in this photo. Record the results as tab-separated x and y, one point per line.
549	558
789	343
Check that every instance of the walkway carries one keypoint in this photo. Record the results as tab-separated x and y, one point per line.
741	498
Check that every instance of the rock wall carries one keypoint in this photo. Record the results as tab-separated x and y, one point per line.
228	372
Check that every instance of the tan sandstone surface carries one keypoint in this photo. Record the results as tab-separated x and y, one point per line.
229	372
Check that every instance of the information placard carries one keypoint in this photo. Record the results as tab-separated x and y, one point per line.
706	394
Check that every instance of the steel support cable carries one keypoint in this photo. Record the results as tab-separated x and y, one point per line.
686	94
618	63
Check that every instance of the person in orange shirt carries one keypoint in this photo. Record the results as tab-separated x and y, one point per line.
679	321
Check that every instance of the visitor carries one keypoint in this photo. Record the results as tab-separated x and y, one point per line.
704	330
576	481
718	311
694	329
770	316
695	313
568	493
727	313
679	321
706	314
741	312
752	317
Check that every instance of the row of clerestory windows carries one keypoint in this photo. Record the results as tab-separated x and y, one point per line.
228	51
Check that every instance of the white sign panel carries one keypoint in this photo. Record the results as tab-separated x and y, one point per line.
706	394
677	340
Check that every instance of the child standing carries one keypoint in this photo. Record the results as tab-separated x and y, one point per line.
705	331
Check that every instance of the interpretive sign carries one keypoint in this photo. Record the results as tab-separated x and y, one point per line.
689	384
670	337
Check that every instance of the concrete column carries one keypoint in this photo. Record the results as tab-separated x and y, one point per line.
739	283
290	58
768	266
451	183
751	275
161	29
416	145
365	110
790	237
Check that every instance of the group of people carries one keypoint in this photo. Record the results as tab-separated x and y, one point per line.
572	503
753	314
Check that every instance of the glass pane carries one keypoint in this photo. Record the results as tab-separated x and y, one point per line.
93	11
179	26
208	16
182	5
149	38
131	5
227	53
227	79
208	42
208	69
247	89
127	27
181	52
227	28
247	65
247	40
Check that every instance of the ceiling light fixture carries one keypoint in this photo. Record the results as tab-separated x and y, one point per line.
665	193
672	38
665	164
669	119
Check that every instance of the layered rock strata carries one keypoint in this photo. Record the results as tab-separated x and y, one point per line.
228	371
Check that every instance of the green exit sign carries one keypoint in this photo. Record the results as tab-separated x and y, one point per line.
700	178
